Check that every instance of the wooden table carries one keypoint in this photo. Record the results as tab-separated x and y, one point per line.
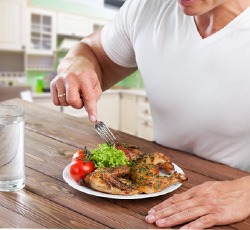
47	201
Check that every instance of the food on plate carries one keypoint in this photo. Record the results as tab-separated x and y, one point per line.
140	173
80	154
145	173
131	152
112	180
81	165
108	156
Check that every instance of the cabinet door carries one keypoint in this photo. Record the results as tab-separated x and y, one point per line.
71	25
42	32
128	114
108	109
144	119
12	25
145	129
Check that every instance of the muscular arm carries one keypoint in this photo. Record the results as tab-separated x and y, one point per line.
84	73
111	73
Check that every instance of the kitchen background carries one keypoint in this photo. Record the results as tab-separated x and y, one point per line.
36	34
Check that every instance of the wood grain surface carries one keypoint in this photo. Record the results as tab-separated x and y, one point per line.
47	201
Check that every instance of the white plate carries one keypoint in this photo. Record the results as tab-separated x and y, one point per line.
85	189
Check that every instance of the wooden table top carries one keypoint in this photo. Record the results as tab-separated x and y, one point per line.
47	201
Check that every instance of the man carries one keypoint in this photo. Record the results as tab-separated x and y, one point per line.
193	56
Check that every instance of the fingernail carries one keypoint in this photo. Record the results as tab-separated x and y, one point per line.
161	221
151	211
92	118
150	218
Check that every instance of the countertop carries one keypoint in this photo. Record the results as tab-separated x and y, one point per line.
138	92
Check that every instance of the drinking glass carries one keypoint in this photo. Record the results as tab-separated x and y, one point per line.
12	166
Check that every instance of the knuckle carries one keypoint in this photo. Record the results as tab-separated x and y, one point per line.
75	103
69	77
187	213
88	98
174	198
204	220
90	75
176	208
71	101
59	80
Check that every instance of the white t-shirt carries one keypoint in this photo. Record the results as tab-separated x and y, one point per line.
198	89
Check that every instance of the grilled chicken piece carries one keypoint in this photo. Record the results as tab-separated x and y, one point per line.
145	173
131	152
111	180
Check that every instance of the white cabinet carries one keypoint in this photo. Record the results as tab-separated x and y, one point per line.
42	32
72	25
108	108
12	29
135	115
128	113
144	119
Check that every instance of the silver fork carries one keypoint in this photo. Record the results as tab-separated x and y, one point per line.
105	133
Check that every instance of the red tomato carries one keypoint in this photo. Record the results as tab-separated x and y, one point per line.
79	169
78	155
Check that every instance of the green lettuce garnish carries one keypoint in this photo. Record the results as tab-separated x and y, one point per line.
107	156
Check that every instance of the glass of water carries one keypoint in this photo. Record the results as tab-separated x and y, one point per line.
12	174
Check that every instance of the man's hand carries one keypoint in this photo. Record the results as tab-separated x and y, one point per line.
78	82
204	206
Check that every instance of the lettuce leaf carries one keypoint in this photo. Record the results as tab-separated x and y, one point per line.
107	156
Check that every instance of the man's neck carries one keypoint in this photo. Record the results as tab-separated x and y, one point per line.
216	19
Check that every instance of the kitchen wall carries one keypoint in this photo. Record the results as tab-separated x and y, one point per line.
93	8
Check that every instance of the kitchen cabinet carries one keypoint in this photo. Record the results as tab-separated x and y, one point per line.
135	116
128	113
12	42
72	25
108	108
12	29
144	120
42	32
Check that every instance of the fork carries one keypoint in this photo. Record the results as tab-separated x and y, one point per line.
105	133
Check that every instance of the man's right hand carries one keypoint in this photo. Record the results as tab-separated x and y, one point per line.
77	83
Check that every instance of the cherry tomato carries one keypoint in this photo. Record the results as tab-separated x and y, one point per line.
79	169
78	155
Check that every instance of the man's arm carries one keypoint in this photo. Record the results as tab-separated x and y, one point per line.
84	73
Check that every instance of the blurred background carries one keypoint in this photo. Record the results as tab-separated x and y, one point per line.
36	34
